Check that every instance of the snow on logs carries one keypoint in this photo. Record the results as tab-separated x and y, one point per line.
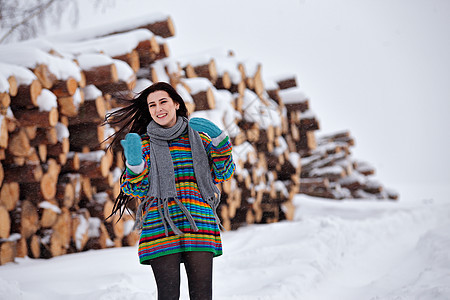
57	182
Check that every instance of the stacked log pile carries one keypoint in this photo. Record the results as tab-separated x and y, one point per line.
58	183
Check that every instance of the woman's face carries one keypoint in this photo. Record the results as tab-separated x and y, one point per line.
162	108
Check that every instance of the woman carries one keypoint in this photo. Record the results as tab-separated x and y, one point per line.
172	166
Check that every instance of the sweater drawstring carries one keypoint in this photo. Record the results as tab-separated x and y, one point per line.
214	203
164	215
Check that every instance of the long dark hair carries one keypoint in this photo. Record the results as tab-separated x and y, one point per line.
134	118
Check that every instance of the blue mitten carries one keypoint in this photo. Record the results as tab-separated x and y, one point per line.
132	147
200	124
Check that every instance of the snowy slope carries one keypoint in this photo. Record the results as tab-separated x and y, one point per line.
332	250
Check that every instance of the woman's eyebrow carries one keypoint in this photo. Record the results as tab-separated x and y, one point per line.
158	100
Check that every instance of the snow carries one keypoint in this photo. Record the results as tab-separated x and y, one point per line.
251	67
101	198
223	115
23	75
46	100
32	57
256	111
184	94
77	98
91	92
82	229
270	84
124	71
114	45
110	27
161	74
4	84
141	84
197	85
48	205
331	250
90	60
292	95
92	156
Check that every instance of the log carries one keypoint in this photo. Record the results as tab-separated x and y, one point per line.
24	173
298	106
5	101
3	132
21	248
65	194
19	144
47	136
147	51
63	227
208	70
72	163
64	88
25	219
34	246
115	230
75	180
164	52
46	78
120	87
51	244
204	100
48	213
274	95
5	223
27	95
101	75
130	239
101	207
13	87
223	81
80	229
86	135
68	106
38	118
98	235
307	141
286	83
132	59
7	251
309	123
9	195
43	190
2	173
103	184
162	28
59	148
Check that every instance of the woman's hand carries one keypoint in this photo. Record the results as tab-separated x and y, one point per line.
132	147
200	124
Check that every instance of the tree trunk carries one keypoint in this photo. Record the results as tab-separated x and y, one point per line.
27	95
34	117
64	88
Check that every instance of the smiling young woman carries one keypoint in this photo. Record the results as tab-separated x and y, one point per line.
162	108
172	166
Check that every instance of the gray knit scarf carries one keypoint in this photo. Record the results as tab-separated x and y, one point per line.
162	176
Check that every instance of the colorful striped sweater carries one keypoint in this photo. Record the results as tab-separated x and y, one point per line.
153	242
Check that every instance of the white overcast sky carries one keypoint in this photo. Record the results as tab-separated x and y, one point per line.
379	68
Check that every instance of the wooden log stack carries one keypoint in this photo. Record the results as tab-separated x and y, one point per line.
58	184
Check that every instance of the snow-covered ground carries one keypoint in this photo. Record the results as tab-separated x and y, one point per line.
332	250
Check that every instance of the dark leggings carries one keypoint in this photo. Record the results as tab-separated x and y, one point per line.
198	267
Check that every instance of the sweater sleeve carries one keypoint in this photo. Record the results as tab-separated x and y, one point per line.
136	184
220	154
